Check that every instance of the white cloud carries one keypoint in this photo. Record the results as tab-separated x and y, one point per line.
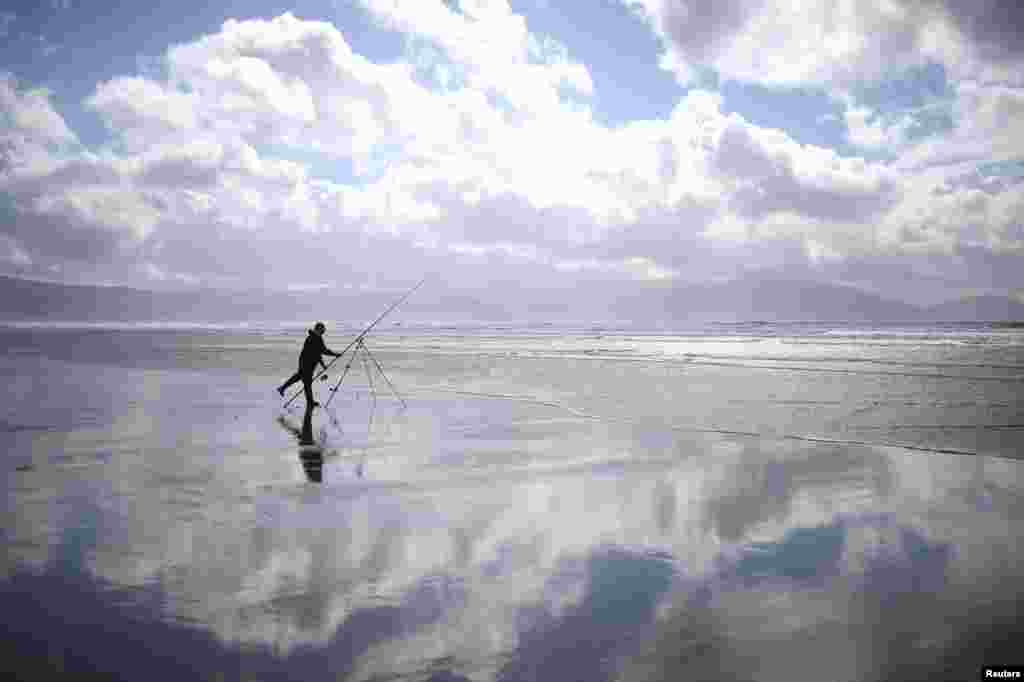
868	129
472	172
292	82
836	46
493	48
989	128
948	217
839	45
124	211
637	267
769	187
158	274
29	115
142	108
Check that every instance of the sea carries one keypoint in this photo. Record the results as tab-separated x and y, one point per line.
513	501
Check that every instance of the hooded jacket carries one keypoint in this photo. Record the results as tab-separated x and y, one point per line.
312	349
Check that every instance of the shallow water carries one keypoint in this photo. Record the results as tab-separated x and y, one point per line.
778	503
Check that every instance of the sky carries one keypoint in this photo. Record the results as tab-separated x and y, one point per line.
362	144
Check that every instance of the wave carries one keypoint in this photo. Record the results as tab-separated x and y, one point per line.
830	370
745	361
866	361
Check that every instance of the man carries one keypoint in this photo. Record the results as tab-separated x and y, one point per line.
312	350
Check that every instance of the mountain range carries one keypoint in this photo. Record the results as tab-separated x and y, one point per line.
747	299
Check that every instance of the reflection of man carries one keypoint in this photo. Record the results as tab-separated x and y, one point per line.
310	453
312	350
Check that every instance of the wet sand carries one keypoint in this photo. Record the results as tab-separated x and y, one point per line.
164	520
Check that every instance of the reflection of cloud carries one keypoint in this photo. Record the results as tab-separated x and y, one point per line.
614	592
506	537
803	554
754	617
93	620
758	496
585	642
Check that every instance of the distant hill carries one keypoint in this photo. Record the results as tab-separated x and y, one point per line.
29	300
25	300
778	299
987	308
767	299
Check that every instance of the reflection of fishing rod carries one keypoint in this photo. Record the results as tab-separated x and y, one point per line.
373	408
359	338
367	353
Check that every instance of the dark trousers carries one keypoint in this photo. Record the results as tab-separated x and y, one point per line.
306	377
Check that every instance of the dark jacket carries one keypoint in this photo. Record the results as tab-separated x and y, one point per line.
312	349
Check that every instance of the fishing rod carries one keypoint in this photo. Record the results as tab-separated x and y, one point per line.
362	334
348	366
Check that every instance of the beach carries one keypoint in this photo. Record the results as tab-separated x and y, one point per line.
744	502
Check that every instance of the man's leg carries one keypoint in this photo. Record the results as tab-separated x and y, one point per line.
295	377
307	388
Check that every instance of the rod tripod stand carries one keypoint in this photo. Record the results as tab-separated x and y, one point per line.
360	345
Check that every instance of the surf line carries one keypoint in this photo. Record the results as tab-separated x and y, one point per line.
355	345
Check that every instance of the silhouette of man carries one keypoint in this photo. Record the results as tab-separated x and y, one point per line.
312	350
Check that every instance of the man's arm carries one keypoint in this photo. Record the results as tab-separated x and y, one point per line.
324	350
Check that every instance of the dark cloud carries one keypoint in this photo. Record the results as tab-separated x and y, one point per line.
785	193
755	41
996	27
506	217
62	236
278	258
772	183
181	172
8	156
69	174
699	28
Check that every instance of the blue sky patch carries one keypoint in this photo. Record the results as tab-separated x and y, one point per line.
620	53
339	170
1013	168
808	115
